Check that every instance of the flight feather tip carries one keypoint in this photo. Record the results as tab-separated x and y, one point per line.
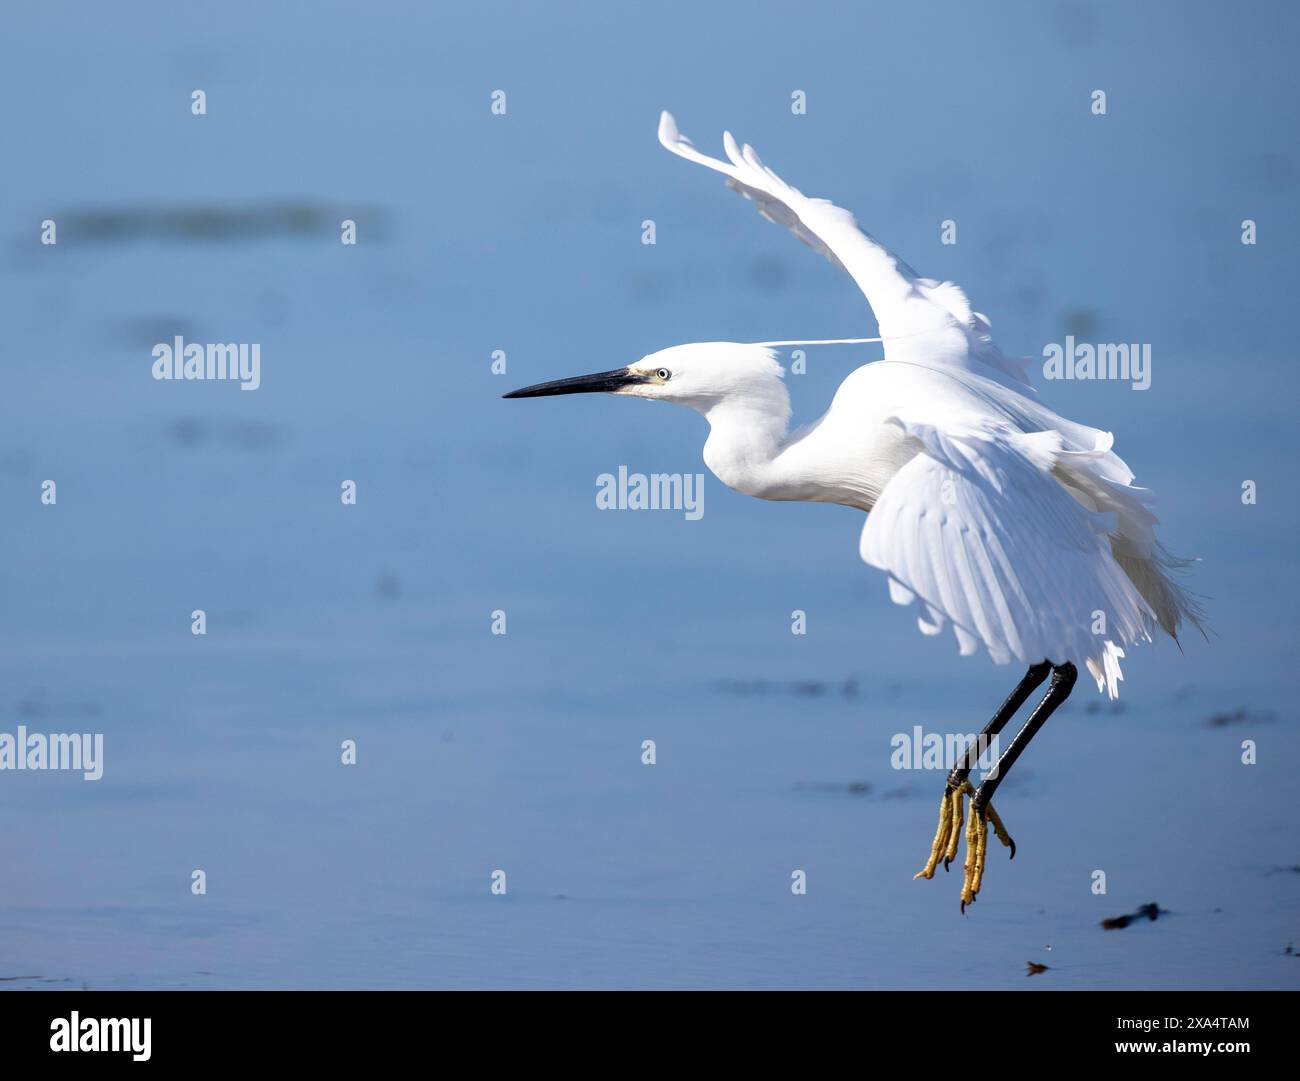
668	133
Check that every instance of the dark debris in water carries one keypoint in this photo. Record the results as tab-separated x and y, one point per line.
1150	911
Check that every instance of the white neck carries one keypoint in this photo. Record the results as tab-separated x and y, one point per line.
751	451
745	438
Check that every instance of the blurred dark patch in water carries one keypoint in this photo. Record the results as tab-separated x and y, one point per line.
647	286
388	588
853	788
144	332
1029	297
27	708
190	433
1080	322
1034	968
804	688
769	272
1238	716
220	224
1151	911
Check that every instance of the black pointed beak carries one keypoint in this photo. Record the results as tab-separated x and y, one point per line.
581	384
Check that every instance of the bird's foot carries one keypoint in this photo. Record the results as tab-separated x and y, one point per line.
951	809
948	836
977	840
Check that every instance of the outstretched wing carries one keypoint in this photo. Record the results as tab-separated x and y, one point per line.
922	321
978	529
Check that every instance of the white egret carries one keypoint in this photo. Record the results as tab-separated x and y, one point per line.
1017	528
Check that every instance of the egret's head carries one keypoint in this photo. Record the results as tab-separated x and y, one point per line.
700	376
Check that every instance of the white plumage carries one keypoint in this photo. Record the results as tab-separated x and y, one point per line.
1018	529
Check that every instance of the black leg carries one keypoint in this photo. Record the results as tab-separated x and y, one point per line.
948	835
1063	677
1017	698
1031	681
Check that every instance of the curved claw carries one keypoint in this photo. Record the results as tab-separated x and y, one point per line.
1001	831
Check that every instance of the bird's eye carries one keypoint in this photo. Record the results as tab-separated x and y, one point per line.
664	374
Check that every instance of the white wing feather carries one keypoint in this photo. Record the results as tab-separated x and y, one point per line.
922	321
978	530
